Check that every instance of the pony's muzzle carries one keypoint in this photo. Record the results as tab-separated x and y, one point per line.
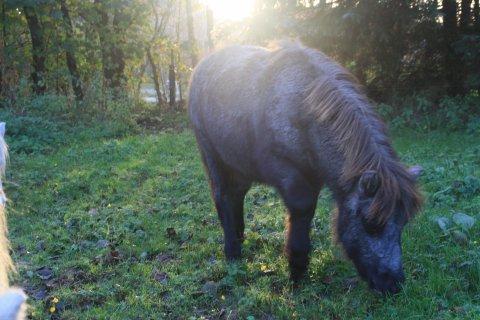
388	282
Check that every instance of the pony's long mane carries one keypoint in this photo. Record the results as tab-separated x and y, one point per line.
337	100
6	264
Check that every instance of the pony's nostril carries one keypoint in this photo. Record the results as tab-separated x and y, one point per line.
395	288
388	282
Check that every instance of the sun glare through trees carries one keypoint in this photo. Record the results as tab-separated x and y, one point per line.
230	9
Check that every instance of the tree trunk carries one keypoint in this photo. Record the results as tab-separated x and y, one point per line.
164	86
179	59
112	55
38	51
191	35
70	54
117	56
476	14
140	79
3	55
450	35
209	28
172	80
155	77
466	14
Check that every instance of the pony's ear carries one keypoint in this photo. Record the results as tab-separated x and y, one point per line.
369	183
415	171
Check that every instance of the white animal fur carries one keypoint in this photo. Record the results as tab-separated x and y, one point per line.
12	301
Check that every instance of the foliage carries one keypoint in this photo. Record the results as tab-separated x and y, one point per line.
395	48
126	228
452	113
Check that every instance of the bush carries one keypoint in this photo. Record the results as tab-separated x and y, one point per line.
420	112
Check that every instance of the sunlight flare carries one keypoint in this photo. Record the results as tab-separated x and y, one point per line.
230	9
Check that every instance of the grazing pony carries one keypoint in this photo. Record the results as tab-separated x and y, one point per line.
12	301
294	119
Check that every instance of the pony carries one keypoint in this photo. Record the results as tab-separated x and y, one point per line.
12	301
292	118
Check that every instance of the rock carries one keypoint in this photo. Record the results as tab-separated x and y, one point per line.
463	220
443	223
102	243
40	246
210	288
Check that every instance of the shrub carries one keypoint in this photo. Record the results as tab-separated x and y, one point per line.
420	112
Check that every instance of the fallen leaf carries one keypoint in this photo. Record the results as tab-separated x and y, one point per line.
266	270
164	257
45	273
38	293
460	237
159	276
327	280
351	283
171	233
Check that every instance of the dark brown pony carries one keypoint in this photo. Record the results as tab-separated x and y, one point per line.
294	119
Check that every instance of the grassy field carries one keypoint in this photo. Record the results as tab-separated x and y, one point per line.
124	228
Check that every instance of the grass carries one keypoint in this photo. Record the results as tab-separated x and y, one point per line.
124	228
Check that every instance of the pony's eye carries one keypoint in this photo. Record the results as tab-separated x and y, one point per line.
372	227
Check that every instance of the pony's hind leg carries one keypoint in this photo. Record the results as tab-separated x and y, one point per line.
228	193
229	203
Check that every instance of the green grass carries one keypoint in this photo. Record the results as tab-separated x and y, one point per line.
148	197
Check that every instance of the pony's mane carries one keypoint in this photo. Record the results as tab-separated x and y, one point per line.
337	100
6	264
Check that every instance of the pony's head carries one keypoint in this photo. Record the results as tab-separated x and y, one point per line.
370	236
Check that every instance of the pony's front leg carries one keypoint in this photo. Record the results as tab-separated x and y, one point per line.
300	201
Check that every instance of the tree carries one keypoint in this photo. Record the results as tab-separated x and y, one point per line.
155	76
450	33
70	53
191	34
2	47
162	17
172	80
38	50
476	14
110	35
465	16
209	28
